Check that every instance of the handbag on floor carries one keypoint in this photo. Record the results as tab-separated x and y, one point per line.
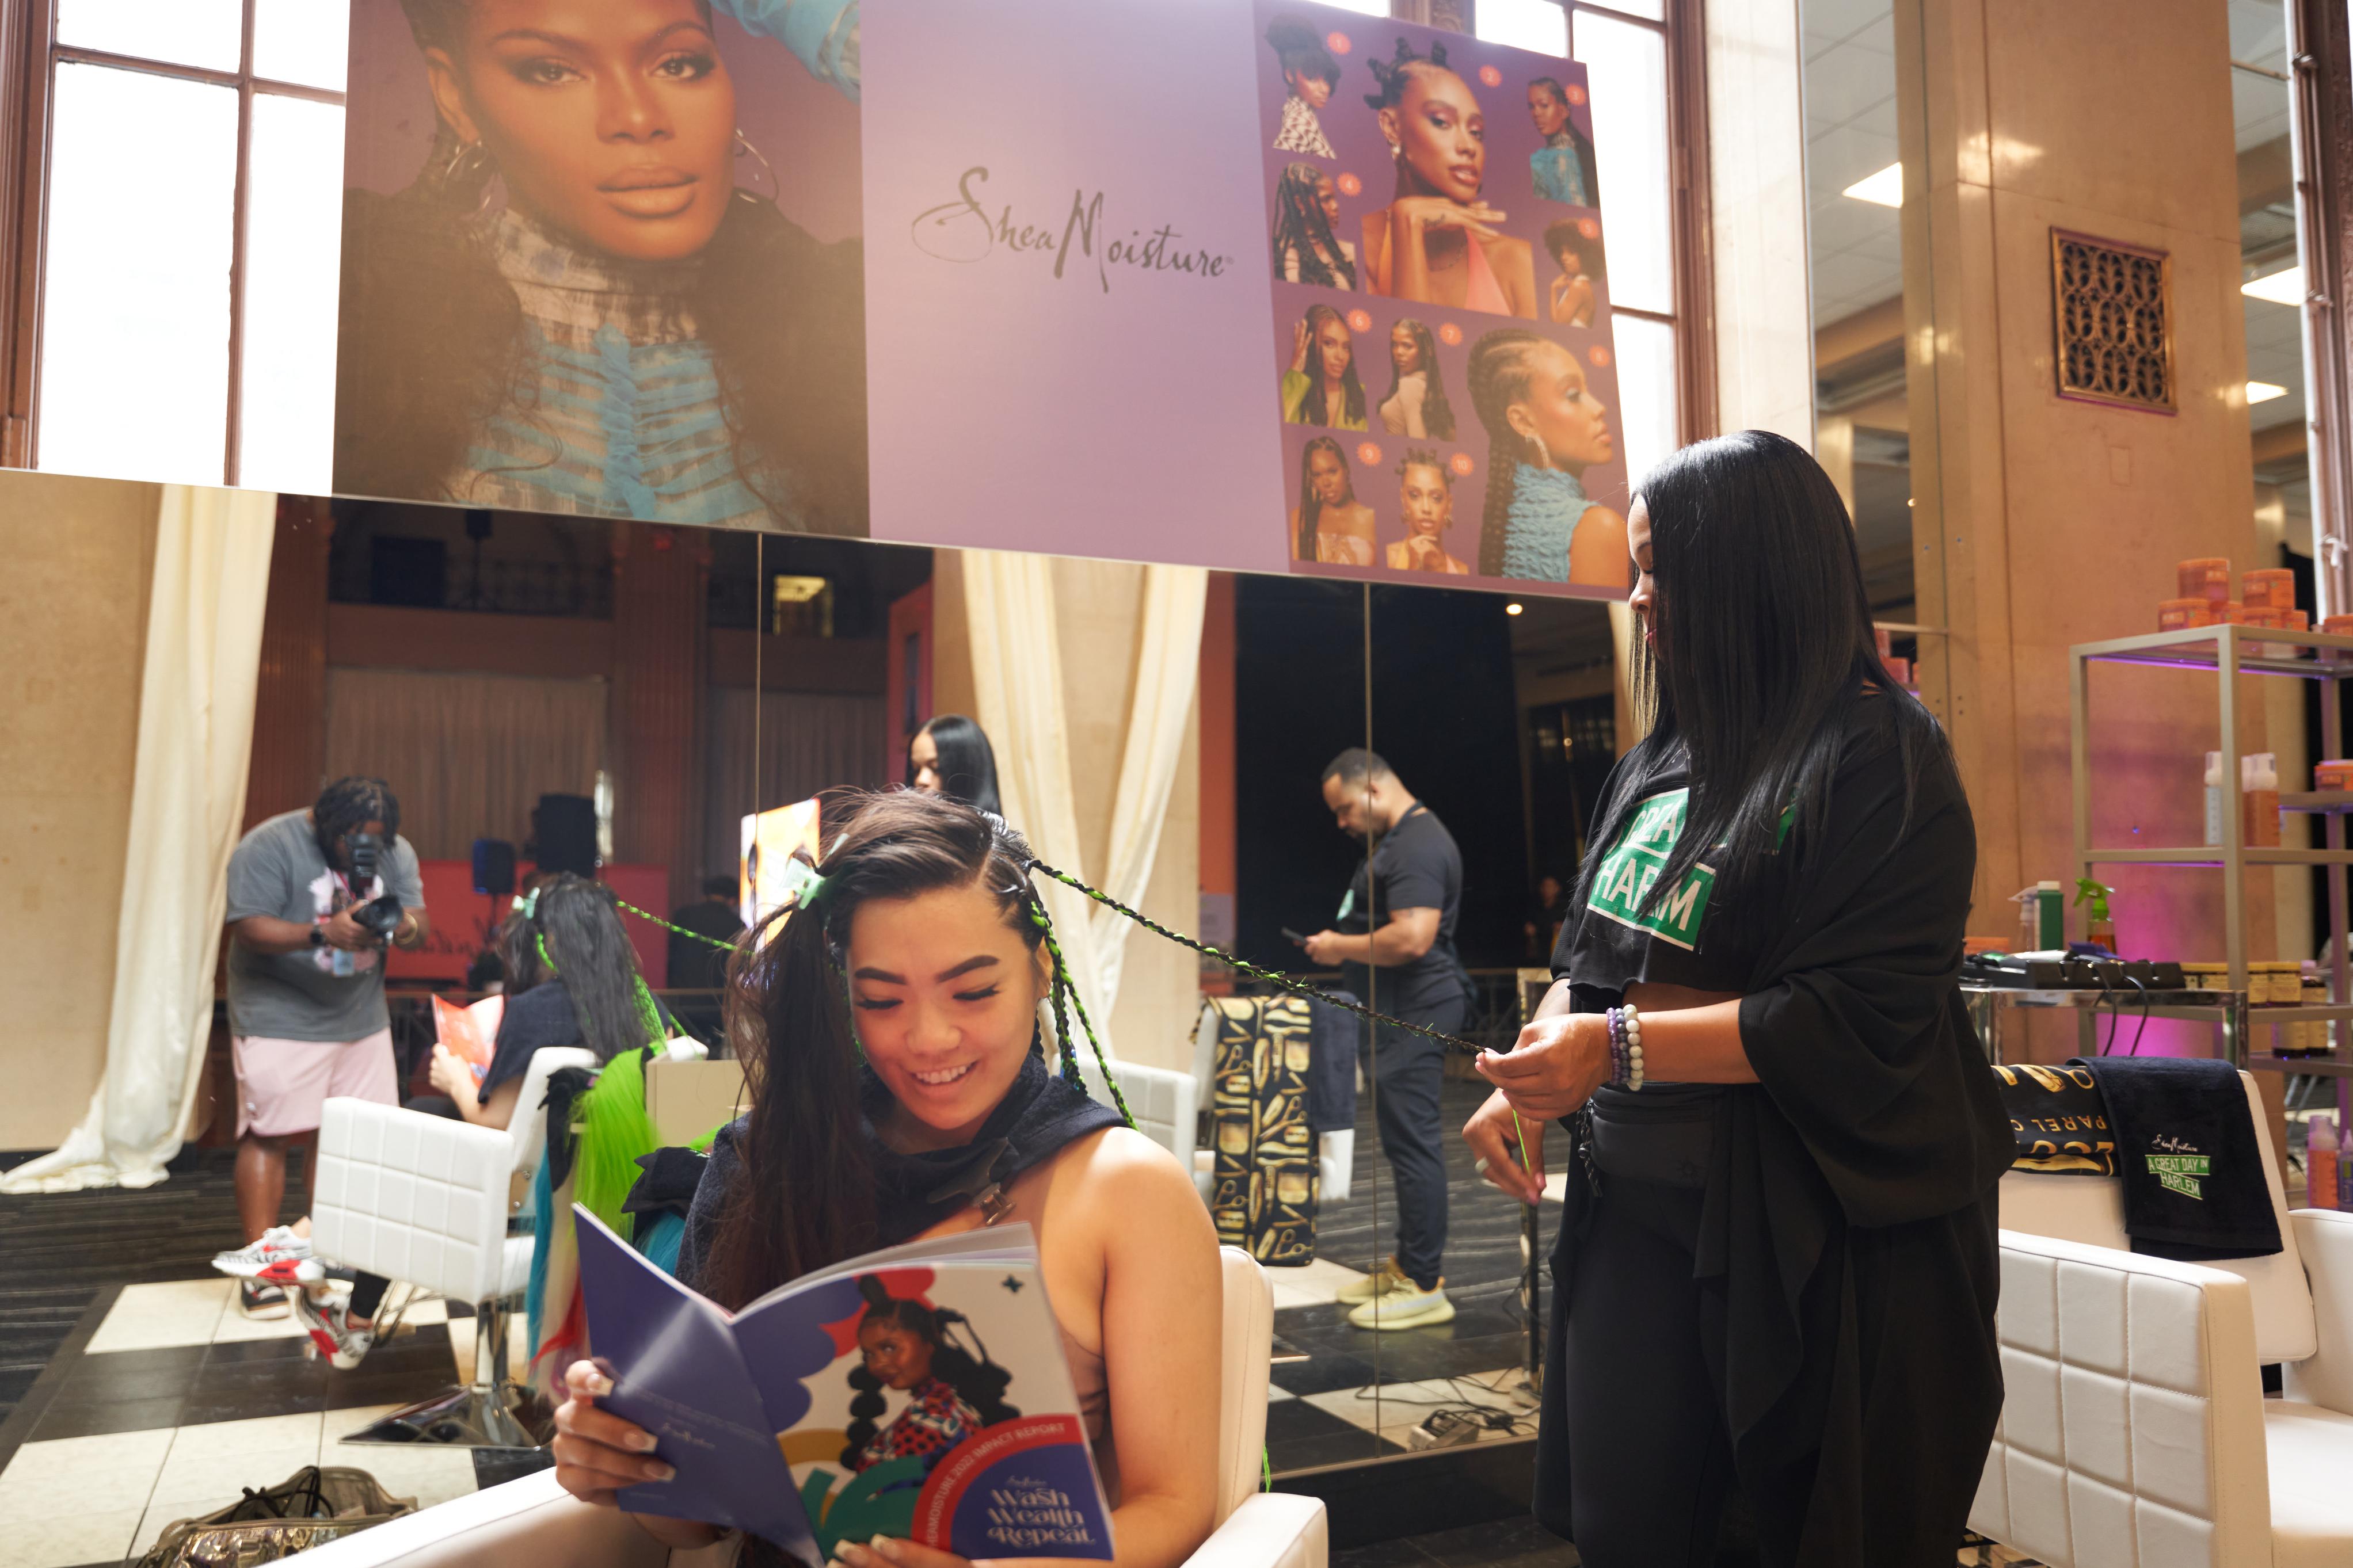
311	1506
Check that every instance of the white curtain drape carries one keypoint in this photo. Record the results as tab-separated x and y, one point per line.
1016	661
187	803
468	755
807	741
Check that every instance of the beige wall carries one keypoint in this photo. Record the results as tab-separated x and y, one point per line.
1101	627
73	613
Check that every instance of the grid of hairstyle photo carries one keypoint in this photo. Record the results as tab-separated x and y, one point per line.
1442	313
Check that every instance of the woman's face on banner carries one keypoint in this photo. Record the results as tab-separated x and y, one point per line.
1327	196
1405	351
1561	411
898	1357
1424	501
1327	476
1311	90
611	119
1548	109
947	1002
1443	135
1336	348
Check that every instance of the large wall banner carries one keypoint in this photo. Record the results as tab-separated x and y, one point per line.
1249	284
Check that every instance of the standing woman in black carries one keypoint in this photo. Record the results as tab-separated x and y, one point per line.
1777	1266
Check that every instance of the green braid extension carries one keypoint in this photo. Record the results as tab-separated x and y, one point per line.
675	930
1062	987
1283	982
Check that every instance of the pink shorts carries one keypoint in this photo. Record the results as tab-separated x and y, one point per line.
282	1084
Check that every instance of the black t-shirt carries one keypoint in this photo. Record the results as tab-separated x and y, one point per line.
1415	867
537	1019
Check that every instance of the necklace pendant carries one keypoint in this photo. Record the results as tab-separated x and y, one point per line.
995	1203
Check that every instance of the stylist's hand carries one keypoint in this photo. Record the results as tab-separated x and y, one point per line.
1323	948
597	1453
1495	1138
1556	1066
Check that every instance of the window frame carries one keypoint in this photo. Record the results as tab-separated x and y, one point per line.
29	57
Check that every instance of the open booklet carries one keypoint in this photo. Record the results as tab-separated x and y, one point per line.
918	1393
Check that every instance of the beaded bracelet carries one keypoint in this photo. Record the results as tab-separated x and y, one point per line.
1625	1048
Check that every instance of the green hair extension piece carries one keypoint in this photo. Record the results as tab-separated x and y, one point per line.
1061	988
611	1128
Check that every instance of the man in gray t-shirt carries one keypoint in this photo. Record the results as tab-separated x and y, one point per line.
307	1018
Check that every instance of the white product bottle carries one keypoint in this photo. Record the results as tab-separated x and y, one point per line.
2213	797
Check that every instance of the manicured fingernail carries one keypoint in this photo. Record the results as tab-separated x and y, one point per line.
643	1442
887	1547
855	1556
657	1471
598	1385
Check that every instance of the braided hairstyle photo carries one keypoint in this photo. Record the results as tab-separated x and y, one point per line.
920	1352
1501	368
1302	230
1393	73
1437	413
1315	408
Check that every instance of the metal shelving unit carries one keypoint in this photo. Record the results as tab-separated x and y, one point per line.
2231	651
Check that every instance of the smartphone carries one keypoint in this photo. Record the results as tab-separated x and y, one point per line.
1294	936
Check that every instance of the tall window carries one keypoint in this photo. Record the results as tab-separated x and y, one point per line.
178	200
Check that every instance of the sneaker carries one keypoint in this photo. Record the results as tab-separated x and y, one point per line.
1406	1306
251	1260
260	1298
328	1320
1379	1282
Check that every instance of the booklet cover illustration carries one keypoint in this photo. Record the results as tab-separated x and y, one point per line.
918	1393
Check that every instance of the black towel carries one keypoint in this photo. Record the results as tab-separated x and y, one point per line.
2192	1167
1334	1038
2060	1122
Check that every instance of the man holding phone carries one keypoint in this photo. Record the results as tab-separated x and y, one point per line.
1399	918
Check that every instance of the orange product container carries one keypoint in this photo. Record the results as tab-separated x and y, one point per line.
2339	625
2273	587
2173	614
2230	613
2208	577
2337	775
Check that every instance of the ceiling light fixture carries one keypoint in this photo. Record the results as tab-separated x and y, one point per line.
2285	287
2264	392
1884	189
1512	608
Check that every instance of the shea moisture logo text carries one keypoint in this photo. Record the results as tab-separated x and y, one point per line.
1027	1514
965	230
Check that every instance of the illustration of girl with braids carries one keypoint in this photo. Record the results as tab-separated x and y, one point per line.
572	307
1305	248
1544	428
1330	524
1415	404
1436	242
1321	386
952	1392
1426	501
1311	73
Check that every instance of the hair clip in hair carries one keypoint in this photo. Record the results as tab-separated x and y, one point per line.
802	885
528	903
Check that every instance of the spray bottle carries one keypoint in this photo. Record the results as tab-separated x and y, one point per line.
2320	1162
2099	926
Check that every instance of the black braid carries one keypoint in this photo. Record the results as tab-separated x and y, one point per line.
1297	988
1499	377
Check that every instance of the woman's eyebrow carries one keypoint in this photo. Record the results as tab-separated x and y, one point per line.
982	960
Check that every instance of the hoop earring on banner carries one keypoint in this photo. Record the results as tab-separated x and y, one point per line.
744	145
468	173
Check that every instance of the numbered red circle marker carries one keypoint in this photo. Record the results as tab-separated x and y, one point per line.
1369	455
1589	228
1490	76
1350	186
1360	320
1576	95
1460	464
1598	353
1449	333
1339	43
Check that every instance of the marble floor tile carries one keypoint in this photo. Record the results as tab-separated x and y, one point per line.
1315	1284
1404	1405
71	1539
151	1317
97	1480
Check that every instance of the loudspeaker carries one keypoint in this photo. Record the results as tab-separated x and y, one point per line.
564	827
494	868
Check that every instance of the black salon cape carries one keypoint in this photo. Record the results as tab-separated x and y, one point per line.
1847	1250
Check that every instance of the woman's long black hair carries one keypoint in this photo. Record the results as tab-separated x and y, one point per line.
572	931
1436	414
1315	408
977	1380
431	337
967	762
1310	506
1301	228
807	1196
1761	650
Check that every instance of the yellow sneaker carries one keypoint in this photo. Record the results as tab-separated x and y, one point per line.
1406	1306
1379	1282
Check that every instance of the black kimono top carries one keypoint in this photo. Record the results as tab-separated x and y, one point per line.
1851	1188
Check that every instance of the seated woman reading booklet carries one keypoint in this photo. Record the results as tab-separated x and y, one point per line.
890	1028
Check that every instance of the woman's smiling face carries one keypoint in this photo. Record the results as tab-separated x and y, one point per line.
944	996
613	121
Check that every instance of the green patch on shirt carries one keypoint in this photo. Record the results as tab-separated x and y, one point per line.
1621	888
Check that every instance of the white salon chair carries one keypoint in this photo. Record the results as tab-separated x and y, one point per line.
535	1520
425	1200
1164	1102
2135	1430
